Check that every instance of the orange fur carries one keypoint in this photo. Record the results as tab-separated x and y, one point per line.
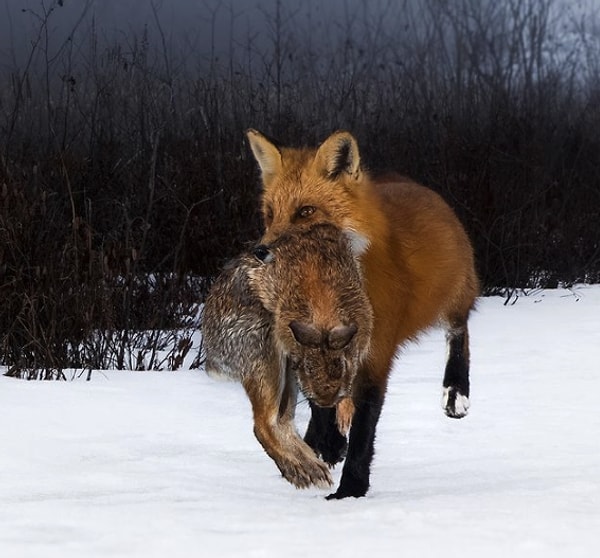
418	265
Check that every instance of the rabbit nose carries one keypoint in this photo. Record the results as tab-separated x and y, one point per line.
262	253
336	370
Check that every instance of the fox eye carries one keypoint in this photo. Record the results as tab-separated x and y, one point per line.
306	211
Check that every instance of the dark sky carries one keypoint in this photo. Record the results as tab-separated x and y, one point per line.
198	28
201	23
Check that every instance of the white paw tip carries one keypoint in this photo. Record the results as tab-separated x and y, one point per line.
454	403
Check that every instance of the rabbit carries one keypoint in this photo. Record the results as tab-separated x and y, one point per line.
287	315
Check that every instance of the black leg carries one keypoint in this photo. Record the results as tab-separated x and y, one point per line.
456	377
357	468
323	436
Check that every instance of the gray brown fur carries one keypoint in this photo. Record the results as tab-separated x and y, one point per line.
300	317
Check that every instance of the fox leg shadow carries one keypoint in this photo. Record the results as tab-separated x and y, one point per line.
323	435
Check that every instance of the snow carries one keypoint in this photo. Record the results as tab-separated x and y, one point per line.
153	464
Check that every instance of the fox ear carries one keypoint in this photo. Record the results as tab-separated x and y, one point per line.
339	154
266	154
306	334
341	335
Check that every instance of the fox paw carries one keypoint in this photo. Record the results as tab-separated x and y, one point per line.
454	403
350	487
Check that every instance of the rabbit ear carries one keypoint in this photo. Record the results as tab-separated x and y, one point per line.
306	334
341	335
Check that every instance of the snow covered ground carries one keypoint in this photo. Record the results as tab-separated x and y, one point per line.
165	464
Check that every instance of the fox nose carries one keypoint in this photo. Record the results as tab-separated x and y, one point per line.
262	253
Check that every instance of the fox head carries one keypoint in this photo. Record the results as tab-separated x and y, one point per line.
304	186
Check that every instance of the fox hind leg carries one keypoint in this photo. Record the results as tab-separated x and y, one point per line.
455	399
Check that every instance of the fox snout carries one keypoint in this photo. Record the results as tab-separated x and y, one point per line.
263	253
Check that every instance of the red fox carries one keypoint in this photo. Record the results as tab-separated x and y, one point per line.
290	314
418	268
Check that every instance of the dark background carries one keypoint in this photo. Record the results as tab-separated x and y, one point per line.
125	180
